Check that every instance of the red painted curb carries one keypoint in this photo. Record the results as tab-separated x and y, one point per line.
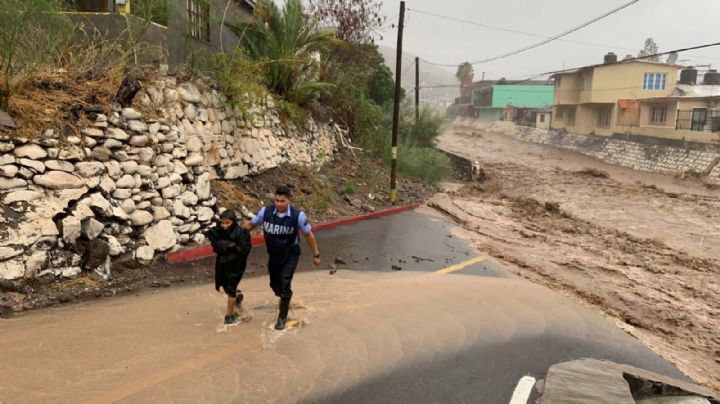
195	253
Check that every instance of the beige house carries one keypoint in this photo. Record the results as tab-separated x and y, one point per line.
586	99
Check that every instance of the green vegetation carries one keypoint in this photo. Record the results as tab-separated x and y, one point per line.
349	187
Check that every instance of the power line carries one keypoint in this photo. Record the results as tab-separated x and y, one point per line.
547	40
531	34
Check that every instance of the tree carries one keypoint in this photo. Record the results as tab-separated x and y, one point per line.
354	21
650	48
465	73
288	45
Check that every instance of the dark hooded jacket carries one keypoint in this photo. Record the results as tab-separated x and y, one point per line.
232	247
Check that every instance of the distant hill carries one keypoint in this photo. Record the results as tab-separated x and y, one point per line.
430	75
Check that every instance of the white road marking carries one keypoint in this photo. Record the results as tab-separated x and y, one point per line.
523	390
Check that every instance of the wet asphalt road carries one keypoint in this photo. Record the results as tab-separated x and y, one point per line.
416	241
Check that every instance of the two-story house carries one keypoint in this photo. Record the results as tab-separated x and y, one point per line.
597	99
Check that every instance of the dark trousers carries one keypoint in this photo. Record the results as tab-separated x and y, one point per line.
281	270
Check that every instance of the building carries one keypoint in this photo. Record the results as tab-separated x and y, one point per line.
182	31
512	102
591	100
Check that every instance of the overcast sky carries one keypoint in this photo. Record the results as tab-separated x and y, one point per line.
672	23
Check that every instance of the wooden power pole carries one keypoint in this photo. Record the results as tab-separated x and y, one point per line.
417	90
396	110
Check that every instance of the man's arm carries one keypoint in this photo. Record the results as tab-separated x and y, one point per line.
312	242
255	222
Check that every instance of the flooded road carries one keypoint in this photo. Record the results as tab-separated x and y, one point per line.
447	334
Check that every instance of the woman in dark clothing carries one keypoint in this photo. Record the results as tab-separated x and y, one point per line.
232	245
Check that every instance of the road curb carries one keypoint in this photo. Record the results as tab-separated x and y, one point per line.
195	253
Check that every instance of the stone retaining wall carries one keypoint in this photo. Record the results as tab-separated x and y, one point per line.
139	183
626	153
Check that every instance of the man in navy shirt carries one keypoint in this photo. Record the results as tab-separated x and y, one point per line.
282	223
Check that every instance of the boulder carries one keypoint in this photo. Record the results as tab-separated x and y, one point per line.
126	181
93	132
74	153
128	205
12	183
115	247
22	196
193	144
31	151
205	214
88	169
58	180
37	166
131	113
161	236
107	185
37	262
91	228
160	213
71	229
171	191
141	218
188	198
203	187
58	165
189	93
9	252
144	255
101	153
137	126
237	171
139	141
194	159
11	270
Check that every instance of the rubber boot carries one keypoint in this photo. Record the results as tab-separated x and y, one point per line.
282	316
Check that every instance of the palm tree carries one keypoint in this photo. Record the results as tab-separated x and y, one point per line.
465	73
288	44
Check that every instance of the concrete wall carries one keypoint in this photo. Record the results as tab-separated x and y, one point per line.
624	81
567	90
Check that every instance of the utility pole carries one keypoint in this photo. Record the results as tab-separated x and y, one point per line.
396	111
417	90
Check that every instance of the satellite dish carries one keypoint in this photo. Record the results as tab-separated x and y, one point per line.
672	58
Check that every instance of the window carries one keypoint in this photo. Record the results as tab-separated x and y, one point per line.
92	5
571	117
655	81
542	118
699	119
199	19
604	116
559	114
658	114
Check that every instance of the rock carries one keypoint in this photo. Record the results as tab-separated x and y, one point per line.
203	187
140	140
129	167
73	140
367	207
145	171
122	193
193	159
180	167
89	169
12	183
154	128
9	252
180	210
205	214
130	113
190	111
179	152
113	144
194	144
74	153
91	228
58	180
137	126
89	142
6	147
31	151
121	156
199	238
115	247
160	213
70	272
22	196
234	172
126	181
161	236
37	166
101	153
189	93
93	132
25	173
71	229
144	255
188	198
99	204
11	270
107	185
117	134
113	169
9	171
58	165
171	191
141	218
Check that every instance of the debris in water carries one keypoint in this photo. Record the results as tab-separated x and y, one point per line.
396	268
340	261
